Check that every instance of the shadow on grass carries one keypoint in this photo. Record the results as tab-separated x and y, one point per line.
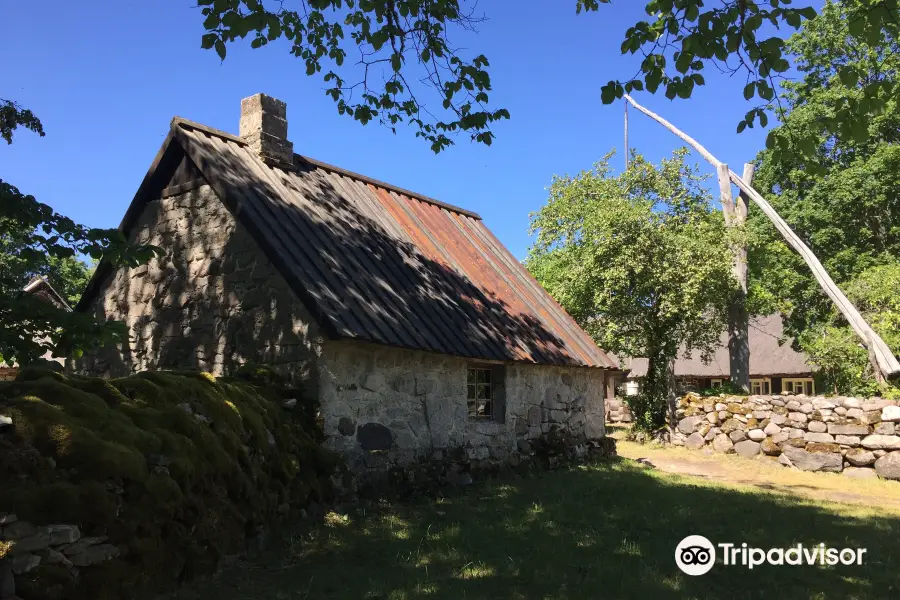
605	531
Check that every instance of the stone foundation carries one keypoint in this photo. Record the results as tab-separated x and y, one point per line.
855	436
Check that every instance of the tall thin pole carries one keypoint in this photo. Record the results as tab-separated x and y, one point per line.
626	136
887	362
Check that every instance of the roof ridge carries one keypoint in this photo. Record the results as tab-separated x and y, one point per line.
389	186
181	121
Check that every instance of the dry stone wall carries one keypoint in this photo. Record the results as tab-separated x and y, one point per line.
855	436
618	411
24	547
385	408
212	302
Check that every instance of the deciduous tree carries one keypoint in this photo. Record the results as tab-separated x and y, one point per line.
641	260
844	201
831	345
35	240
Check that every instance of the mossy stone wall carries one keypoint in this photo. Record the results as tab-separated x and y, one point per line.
175	471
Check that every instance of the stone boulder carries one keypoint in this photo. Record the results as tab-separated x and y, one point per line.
824	438
695	441
687	424
747	448
881	442
732	425
817	427
723	443
95	554
885	428
814	461
737	436
848	429
772	429
888	466
859	457
860	473
757	435
847	440
823	447
374	436
769	447
890	413
346	426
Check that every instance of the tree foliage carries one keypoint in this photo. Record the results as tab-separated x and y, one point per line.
848	209
402	64
393	60
835	348
12	116
640	260
745	38
36	240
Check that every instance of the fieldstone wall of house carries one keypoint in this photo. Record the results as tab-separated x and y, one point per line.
857	436
212	302
385	407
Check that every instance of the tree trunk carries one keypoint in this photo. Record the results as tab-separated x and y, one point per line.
671	392
738	320
655	390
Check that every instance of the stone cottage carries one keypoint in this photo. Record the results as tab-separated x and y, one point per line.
405	317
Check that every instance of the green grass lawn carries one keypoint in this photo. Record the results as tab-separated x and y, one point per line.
606	531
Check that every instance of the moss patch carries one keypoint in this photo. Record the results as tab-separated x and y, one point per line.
175	468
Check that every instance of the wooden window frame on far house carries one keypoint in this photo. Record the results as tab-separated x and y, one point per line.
761	386
787	385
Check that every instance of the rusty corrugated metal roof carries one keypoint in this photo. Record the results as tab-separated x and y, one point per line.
377	263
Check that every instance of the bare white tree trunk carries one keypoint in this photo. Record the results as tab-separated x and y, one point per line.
738	320
887	363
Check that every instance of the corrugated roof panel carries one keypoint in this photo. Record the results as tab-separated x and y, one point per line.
380	265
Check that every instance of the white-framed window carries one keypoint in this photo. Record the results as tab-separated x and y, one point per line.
485	392
714	383
799	385
761	386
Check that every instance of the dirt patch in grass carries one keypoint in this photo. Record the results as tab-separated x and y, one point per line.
763	473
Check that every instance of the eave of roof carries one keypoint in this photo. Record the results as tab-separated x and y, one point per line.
770	355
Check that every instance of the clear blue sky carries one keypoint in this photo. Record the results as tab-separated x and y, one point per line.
106	78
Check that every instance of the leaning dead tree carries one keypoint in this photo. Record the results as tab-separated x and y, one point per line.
884	361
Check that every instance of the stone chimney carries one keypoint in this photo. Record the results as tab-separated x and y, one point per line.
264	128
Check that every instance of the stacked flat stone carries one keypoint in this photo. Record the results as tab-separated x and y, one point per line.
24	547
855	436
618	411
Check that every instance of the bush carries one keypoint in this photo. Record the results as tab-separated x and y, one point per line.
176	468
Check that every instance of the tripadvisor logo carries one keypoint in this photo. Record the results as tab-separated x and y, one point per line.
696	555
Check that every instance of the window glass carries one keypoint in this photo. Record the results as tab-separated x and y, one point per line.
480	393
